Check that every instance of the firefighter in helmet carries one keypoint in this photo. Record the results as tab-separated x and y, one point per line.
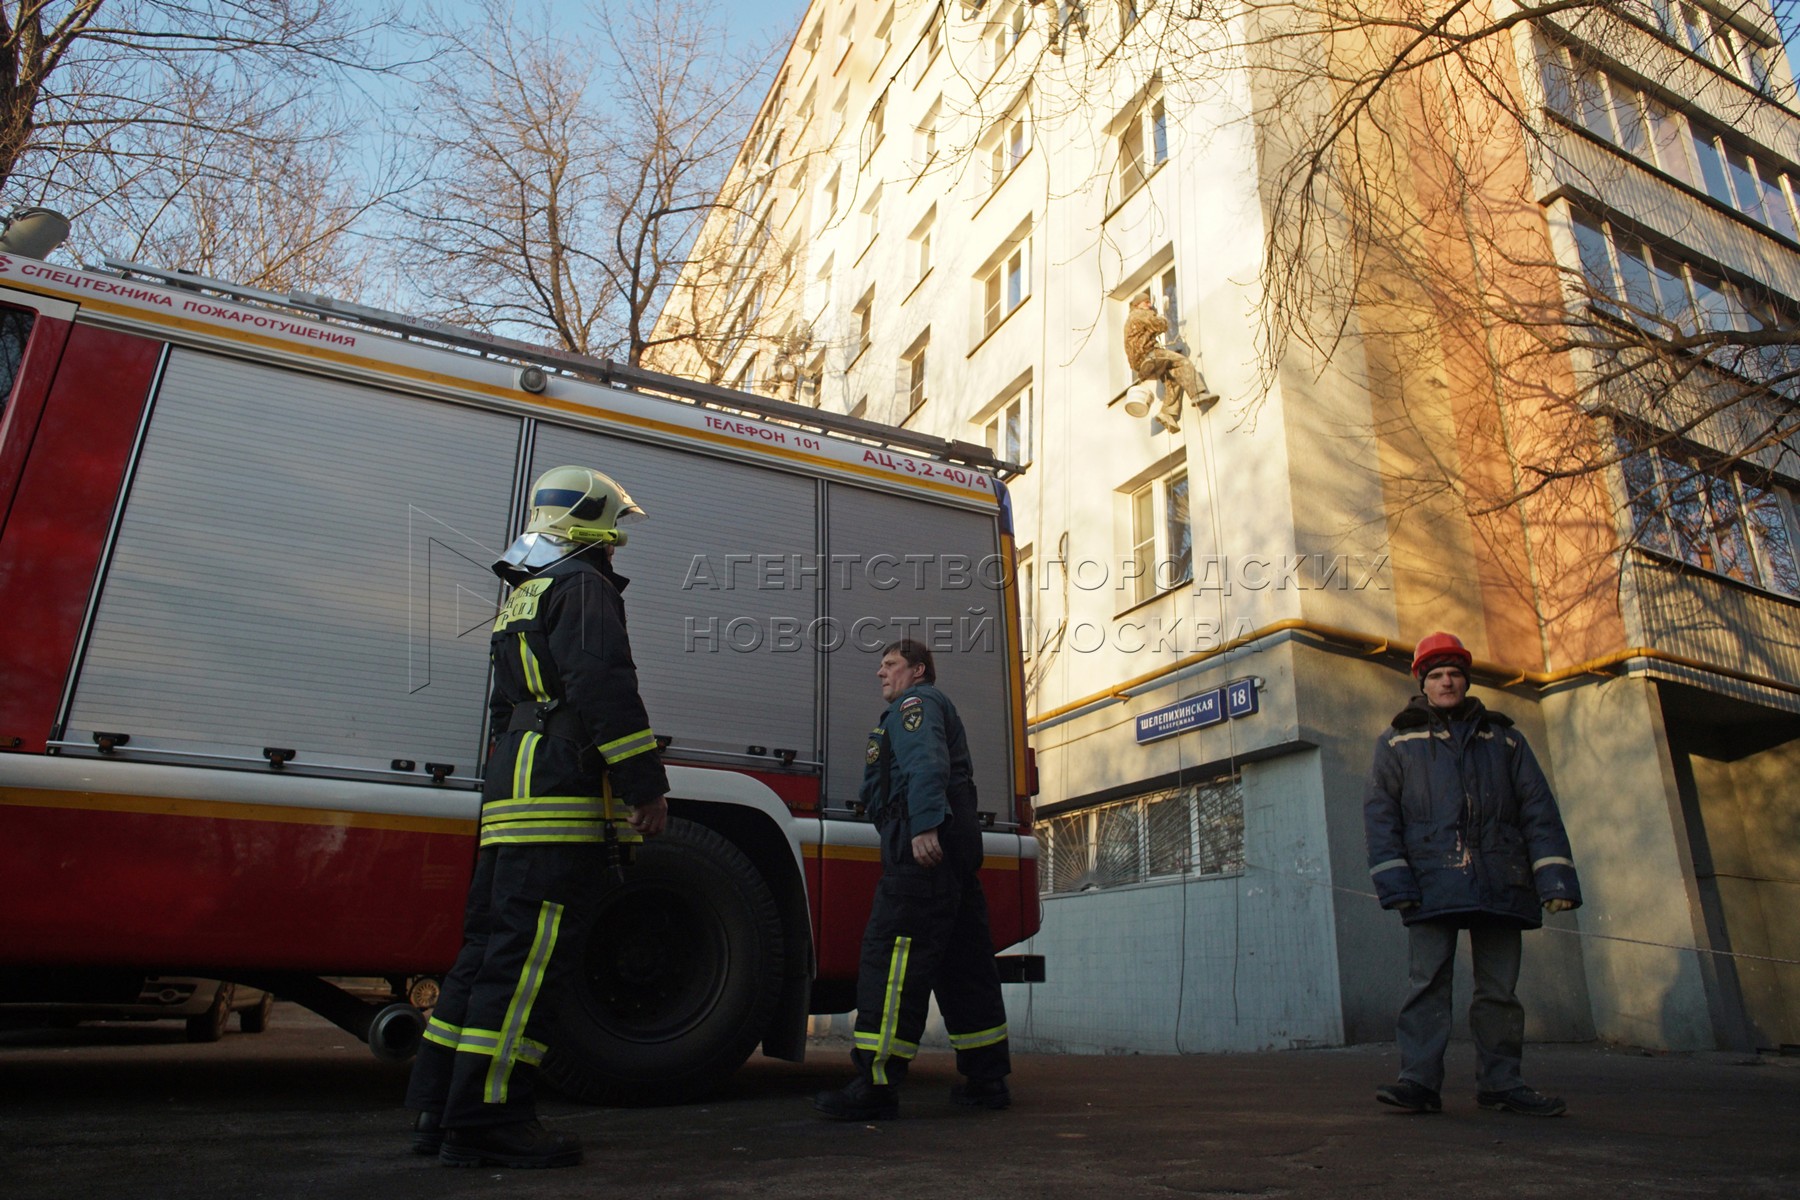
573	778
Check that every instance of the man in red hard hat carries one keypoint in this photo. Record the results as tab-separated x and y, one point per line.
1463	833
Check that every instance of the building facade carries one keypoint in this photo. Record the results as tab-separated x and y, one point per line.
1458	379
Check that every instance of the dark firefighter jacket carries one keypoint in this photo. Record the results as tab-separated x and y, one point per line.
1460	819
565	709
918	771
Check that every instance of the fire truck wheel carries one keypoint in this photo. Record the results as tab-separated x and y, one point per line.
680	978
209	1026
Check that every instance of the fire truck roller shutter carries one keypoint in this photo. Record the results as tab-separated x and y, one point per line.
939	547
301	564
713	584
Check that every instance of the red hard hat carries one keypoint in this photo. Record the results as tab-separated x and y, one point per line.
1439	646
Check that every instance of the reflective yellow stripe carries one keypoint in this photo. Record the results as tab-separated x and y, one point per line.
522	765
620	749
885	1041
897	1048
526	808
442	1032
534	676
514	1046
478	1041
520	833
975	1041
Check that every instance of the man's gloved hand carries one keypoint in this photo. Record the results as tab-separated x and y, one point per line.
1406	906
1558	904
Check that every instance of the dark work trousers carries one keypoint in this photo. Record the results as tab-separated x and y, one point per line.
928	932
530	910
1496	1018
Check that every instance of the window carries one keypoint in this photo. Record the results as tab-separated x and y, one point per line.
839	112
1721	522
865	324
1007	28
921	246
1143	144
1162	540
1172	833
913	371
1686	149
1009	143
1005	286
871	220
1713	39
1008	431
884	32
809	381
746	377
804	114
1666	297
815	36
15	331
829	198
860	410
876	129
925	135
846	35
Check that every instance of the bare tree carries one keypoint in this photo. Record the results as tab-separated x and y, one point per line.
568	172
205	131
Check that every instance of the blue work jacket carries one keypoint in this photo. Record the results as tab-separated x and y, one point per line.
1460	819
918	765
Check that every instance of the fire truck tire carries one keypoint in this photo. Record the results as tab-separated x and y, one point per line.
209	1026
681	976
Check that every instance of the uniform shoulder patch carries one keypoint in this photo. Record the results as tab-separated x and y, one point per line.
912	718
522	605
912	702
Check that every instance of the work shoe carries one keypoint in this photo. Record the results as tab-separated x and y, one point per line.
1171	419
520	1144
428	1134
981	1093
860	1100
1413	1097
1527	1102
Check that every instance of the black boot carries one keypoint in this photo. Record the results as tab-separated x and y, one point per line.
428	1134
860	1100
520	1144
981	1093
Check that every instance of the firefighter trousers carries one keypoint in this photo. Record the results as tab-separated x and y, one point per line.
530	909
928	932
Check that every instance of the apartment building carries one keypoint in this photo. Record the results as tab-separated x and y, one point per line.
1478	396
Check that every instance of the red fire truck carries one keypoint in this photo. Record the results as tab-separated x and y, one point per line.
244	548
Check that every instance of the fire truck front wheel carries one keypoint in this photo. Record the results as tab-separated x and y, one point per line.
680	978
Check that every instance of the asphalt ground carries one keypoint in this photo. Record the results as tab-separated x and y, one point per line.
303	1111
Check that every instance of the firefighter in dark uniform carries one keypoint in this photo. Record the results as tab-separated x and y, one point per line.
928	929
573	778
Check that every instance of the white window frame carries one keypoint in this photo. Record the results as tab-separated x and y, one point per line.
1154	552
920	241
915	371
1004	285
865	324
1017	406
